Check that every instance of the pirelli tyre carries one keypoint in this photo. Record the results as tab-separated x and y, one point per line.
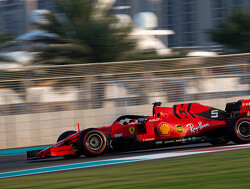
62	137
65	135
240	130
91	142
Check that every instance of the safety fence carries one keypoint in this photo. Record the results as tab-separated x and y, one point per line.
37	103
99	85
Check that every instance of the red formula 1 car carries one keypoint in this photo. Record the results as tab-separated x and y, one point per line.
183	123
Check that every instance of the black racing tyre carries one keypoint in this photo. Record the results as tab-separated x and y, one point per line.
240	130
63	136
91	142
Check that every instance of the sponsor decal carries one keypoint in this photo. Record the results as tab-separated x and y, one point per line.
158	142
148	139
131	130
196	129
165	129
154	119
161	114
184	140
168	141
189	139
118	135
246	104
165	115
214	113
183	111
179	128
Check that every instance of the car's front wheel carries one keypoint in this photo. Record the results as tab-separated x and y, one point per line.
91	142
65	135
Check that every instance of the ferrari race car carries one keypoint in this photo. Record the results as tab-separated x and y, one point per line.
182	123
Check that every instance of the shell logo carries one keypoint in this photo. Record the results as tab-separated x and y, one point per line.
165	129
243	104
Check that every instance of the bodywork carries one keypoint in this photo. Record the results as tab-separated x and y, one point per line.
188	122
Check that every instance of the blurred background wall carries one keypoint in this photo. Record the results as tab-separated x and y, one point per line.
38	103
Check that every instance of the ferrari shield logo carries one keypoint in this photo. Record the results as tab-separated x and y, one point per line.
131	130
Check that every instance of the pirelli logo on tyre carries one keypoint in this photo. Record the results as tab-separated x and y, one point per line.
164	129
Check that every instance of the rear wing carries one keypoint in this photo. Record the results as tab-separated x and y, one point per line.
241	107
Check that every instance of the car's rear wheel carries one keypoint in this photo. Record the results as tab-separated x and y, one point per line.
62	137
240	130
91	142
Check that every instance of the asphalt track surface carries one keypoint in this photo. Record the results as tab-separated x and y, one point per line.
19	162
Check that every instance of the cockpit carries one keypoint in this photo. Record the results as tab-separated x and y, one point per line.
130	119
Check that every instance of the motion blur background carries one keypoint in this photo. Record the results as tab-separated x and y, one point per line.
51	79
